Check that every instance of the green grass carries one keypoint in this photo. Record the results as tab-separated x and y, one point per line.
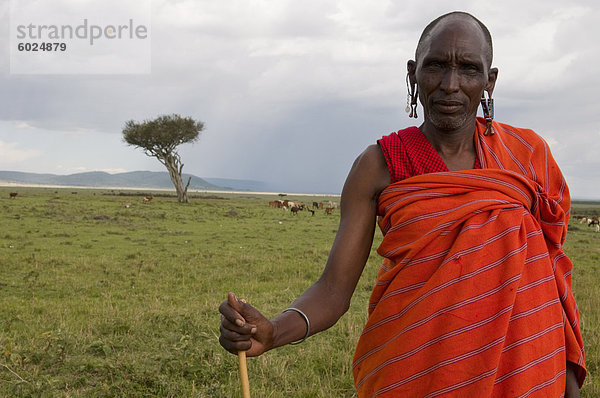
101	300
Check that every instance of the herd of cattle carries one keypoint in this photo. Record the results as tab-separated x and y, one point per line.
330	206
591	221
295	207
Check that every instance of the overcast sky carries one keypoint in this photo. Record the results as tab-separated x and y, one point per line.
292	91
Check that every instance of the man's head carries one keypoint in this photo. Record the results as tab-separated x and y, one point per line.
456	15
452	69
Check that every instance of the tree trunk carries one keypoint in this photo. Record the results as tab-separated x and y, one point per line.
175	174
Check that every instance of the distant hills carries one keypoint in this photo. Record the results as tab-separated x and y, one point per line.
134	179
241	185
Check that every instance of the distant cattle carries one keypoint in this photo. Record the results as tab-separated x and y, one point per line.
278	204
594	221
148	199
295	207
315	205
13	195
329	210
127	205
321	205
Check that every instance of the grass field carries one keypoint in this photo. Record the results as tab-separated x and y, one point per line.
101	300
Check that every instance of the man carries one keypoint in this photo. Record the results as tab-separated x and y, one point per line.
474	295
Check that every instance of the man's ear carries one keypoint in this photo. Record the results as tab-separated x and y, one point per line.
492	76
411	67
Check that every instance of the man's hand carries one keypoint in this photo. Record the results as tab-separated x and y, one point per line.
244	328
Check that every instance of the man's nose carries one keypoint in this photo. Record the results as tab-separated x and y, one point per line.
450	81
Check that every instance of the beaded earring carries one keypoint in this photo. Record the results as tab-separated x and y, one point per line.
488	113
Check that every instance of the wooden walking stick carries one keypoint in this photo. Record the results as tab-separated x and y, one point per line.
244	374
244	370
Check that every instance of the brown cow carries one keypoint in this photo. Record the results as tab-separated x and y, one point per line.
13	195
276	204
148	199
329	210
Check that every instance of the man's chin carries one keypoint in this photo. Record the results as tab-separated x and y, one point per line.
448	122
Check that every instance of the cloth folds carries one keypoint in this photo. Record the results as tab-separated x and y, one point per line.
474	295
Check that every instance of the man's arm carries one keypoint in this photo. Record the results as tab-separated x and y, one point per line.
244	328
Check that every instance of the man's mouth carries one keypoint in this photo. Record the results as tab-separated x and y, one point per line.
446	106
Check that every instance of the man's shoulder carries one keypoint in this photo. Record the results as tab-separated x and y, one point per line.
397	140
369	174
526	136
408	131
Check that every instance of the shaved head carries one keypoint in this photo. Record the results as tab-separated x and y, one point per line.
456	15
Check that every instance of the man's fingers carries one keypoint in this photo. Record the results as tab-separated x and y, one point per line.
238	306
235	347
244	312
232	316
231	312
234	338
243	327
233	335
247	329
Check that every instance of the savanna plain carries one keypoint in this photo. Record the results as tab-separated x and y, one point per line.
101	300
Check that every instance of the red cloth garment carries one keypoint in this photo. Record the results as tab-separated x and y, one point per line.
474	295
408	153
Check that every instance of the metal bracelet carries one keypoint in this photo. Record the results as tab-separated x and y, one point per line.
305	320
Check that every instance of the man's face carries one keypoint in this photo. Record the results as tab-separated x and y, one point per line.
452	71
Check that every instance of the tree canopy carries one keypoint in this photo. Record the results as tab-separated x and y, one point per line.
160	137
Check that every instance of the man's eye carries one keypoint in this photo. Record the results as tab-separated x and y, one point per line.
470	68
434	65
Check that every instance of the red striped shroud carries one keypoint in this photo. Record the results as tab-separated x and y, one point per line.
474	295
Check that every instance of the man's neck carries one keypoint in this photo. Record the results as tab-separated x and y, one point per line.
456	147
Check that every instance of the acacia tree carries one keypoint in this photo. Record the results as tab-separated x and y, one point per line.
160	138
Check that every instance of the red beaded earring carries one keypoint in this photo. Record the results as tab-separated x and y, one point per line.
488	113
